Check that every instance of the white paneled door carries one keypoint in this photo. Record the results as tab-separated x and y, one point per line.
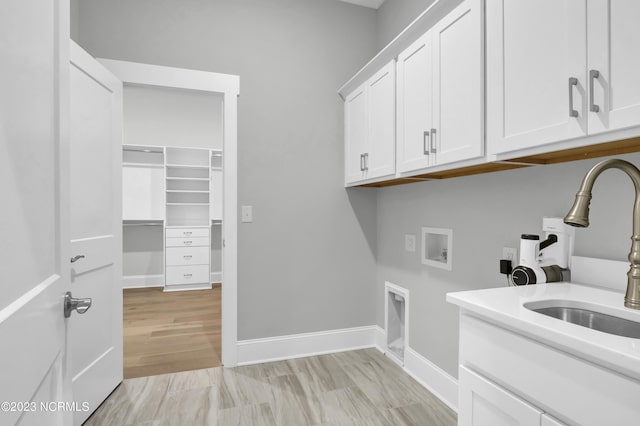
96	228
34	252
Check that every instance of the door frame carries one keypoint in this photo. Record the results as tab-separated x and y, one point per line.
133	73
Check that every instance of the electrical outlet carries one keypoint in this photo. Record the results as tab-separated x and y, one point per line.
410	242
510	253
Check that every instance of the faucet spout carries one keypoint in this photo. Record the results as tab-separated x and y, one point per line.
578	216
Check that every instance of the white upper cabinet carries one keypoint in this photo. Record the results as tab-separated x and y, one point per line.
415	105
355	134
458	78
440	88
614	64
380	155
576	75
536	72
370	128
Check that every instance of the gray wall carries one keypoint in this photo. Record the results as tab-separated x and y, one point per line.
311	248
74	19
170	117
486	212
394	15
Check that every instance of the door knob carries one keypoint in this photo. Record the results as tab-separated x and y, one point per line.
74	259
79	305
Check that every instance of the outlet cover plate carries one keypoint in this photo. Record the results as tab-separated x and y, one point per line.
410	242
510	253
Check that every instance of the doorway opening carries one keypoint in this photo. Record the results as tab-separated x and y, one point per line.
179	187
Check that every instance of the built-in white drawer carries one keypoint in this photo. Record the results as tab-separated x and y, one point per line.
188	256
188	242
187	274
187	232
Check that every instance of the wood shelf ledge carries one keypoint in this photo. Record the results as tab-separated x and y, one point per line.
606	149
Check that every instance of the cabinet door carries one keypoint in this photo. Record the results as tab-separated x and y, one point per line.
380	157
483	403
613	40
534	48
355	134
458	83
415	104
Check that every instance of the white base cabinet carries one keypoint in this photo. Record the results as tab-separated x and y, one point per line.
506	378
484	403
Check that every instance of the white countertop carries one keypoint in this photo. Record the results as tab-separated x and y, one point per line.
504	307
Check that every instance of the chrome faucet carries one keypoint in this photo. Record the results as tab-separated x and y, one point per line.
579	216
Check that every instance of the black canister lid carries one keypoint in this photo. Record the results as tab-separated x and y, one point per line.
530	237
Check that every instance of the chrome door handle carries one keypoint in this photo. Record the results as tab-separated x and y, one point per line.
79	305
433	140
74	259
425	136
366	161
572	82
362	162
593	74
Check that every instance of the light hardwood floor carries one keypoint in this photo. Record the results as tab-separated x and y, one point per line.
170	332
349	388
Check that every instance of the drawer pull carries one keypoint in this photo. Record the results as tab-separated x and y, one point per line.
187	257
187	233
187	243
187	275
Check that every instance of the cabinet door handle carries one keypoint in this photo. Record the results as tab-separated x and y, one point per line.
572	82
366	161
362	162
425	137
433	141
593	74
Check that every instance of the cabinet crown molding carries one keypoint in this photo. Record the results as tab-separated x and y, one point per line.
415	29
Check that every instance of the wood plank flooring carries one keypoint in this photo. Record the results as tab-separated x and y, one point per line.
170	332
351	388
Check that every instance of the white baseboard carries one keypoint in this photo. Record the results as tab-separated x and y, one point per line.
432	377
256	351
142	281
216	277
380	339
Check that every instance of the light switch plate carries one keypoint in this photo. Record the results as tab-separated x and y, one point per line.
247	214
410	242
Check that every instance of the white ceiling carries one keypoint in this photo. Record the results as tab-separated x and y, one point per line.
374	4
